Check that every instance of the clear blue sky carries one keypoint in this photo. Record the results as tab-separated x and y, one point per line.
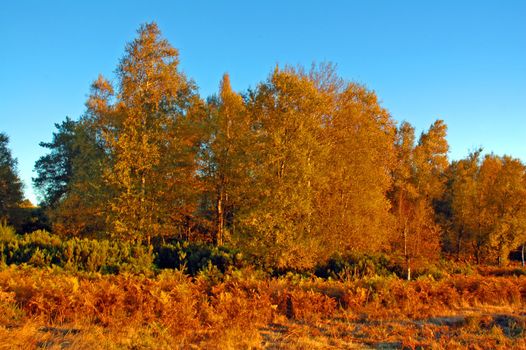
461	61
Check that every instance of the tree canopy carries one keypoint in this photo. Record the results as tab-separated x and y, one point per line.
304	166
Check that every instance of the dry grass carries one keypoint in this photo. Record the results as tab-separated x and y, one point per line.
42	308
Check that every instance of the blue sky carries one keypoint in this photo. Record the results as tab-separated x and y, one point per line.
461	61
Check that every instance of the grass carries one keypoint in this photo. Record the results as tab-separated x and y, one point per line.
57	309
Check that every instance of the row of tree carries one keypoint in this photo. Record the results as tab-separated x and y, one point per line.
304	166
486	206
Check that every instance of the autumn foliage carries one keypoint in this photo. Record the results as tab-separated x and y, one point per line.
299	206
303	167
173	309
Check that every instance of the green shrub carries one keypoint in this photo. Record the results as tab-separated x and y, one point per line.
41	248
357	266
7	233
193	258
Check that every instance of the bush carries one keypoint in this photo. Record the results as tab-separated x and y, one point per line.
357	266
6	232
41	248
193	258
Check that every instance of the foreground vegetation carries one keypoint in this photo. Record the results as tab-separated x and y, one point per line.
52	308
90	294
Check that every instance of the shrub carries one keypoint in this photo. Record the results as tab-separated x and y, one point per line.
357	266
194	257
6	232
41	248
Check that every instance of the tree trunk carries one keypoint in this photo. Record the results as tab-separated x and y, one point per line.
407	258
142	210
459	240
406	253
476	247
522	254
409	269
220	219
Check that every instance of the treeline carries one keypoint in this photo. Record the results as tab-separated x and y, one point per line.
303	167
14	209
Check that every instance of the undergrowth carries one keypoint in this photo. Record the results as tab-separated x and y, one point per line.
208	312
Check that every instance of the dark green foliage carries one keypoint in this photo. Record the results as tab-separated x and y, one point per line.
41	248
26	219
10	184
358	266
192	257
56	168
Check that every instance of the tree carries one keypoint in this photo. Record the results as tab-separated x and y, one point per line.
320	157
404	193
84	209
55	170
463	200
419	182
69	179
488	205
504	203
10	184
358	139
150	129
225	155
431	161
278	217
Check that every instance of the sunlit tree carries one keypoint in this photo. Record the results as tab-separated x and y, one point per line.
503	222
278	216
150	132
419	181
225	157
463	197
358	138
